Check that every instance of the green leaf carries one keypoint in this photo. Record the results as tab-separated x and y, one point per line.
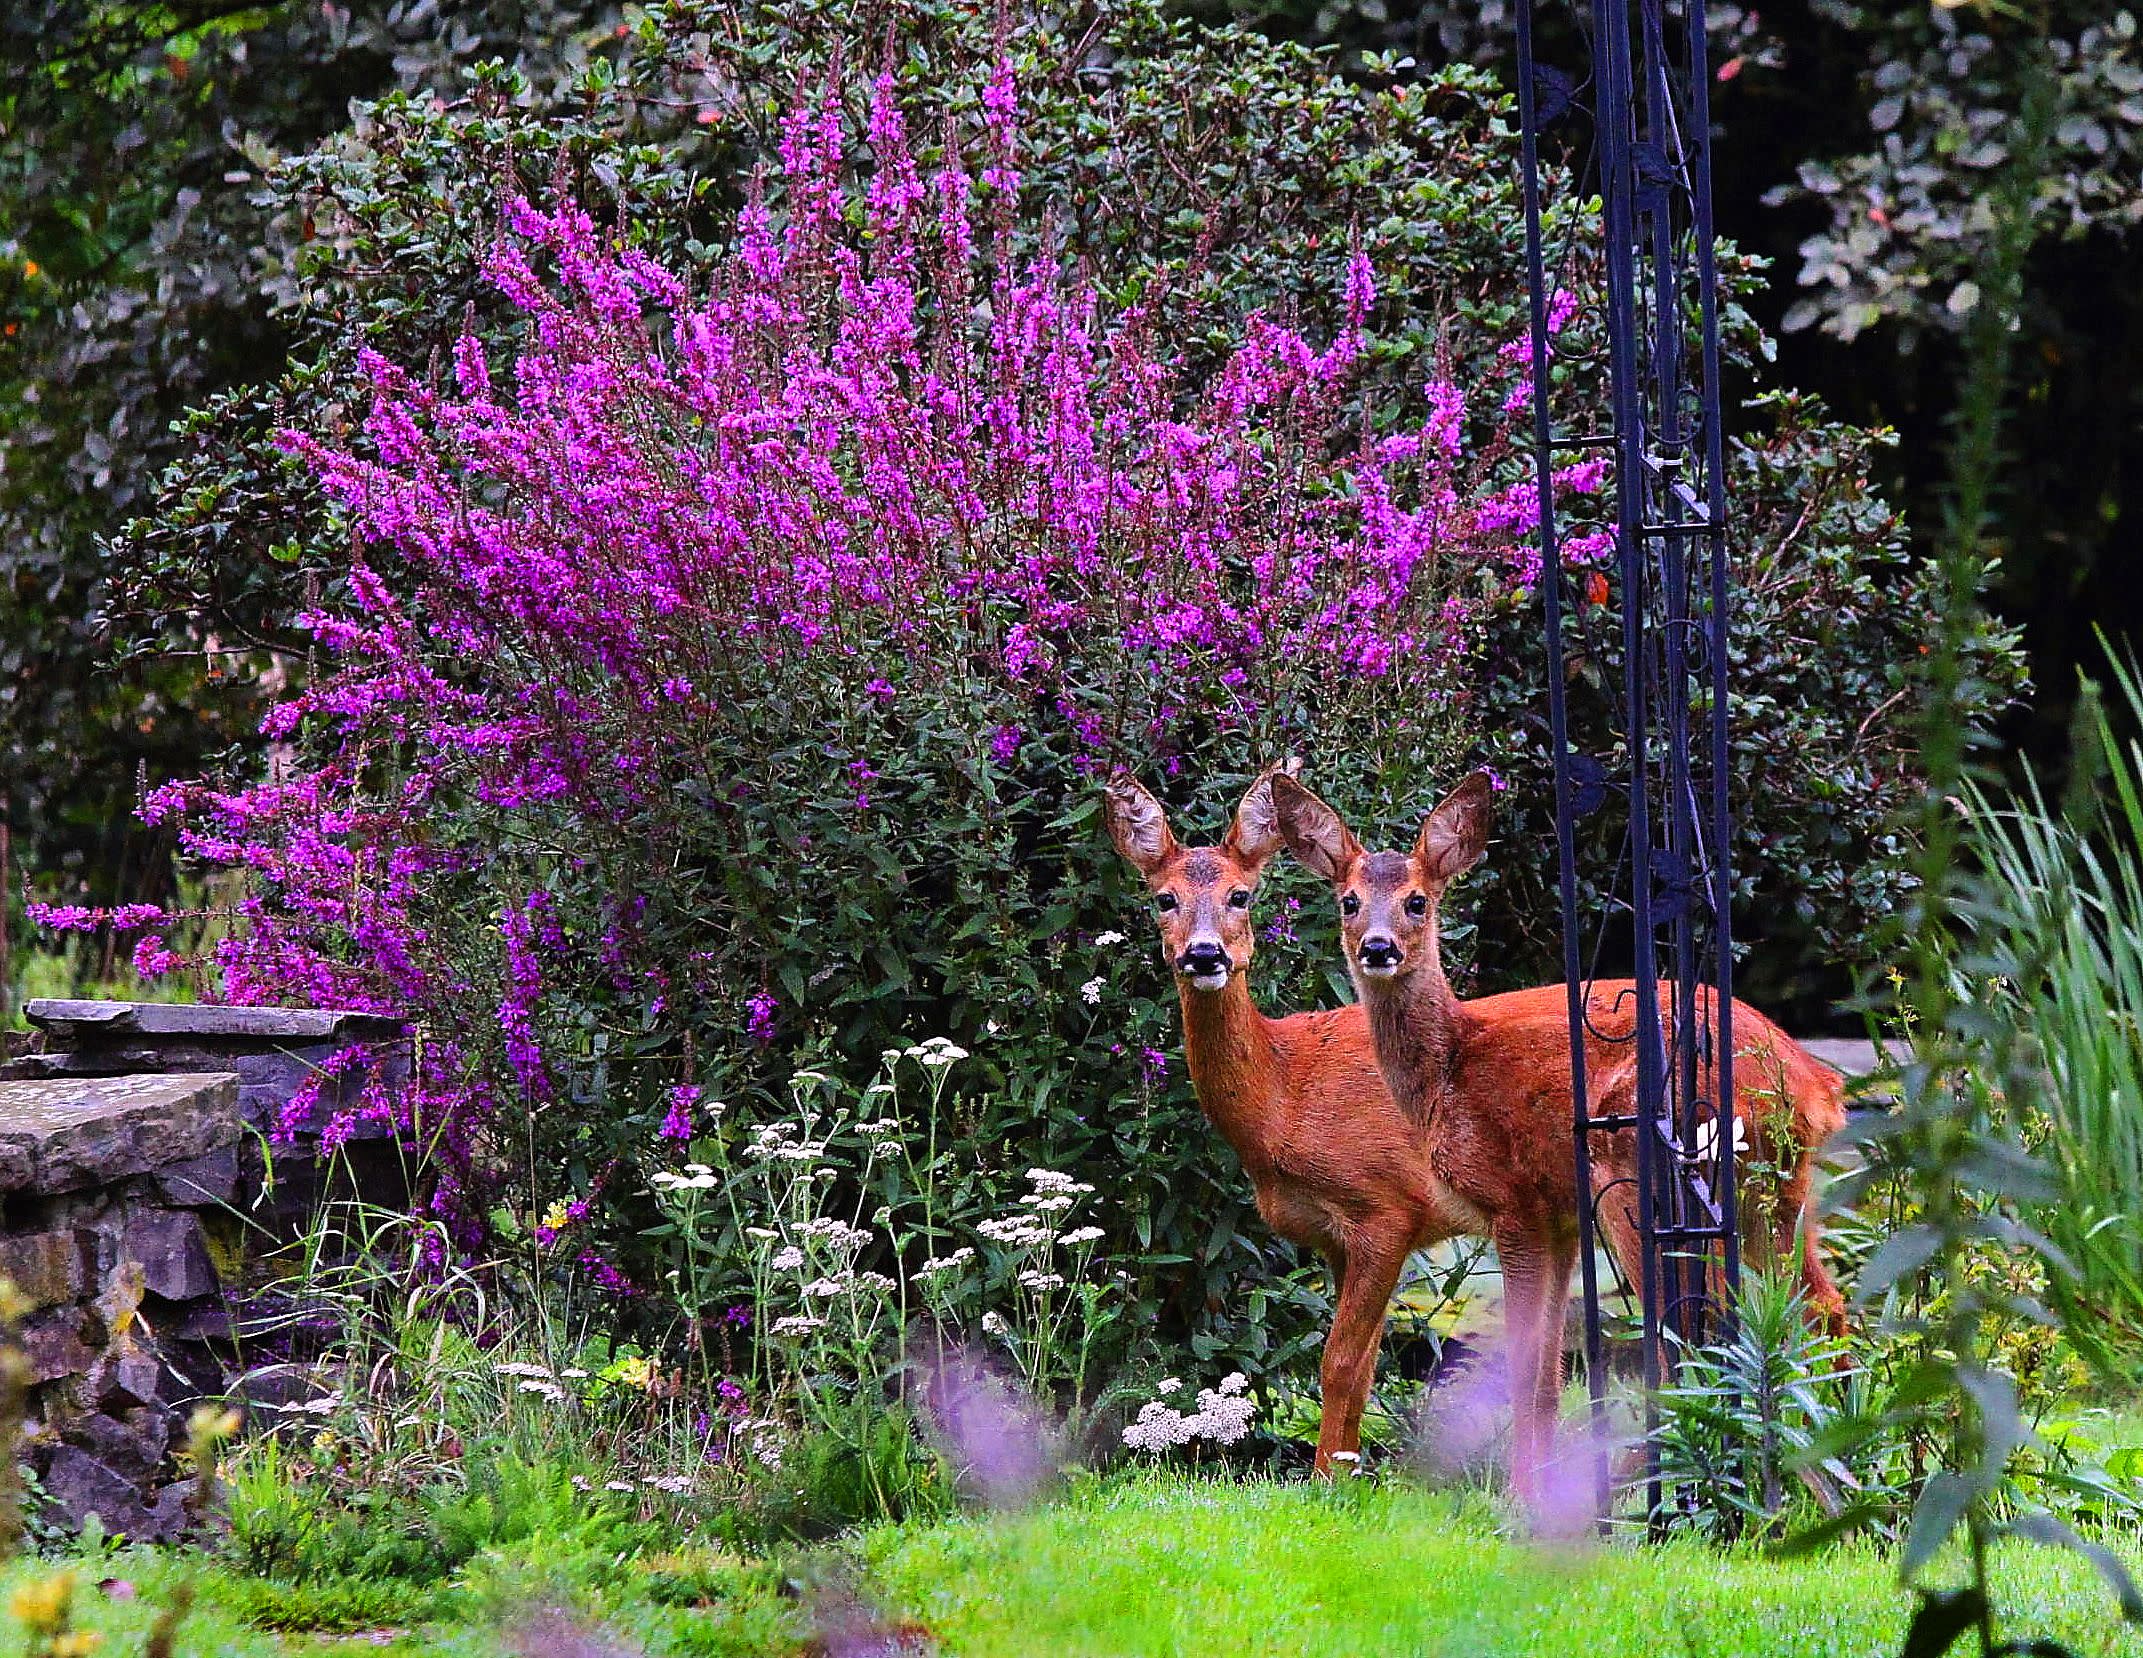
1941	1507
1901	1253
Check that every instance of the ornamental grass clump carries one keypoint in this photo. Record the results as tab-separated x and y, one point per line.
727	667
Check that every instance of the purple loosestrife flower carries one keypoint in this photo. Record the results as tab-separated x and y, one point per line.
759	1016
677	1125
603	1271
153	958
83	918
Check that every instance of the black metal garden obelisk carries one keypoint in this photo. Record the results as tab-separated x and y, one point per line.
1647	267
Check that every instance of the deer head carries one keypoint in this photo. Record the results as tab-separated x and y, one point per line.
1201	894
1387	900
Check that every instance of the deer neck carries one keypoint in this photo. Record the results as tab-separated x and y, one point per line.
1228	1046
1416	1025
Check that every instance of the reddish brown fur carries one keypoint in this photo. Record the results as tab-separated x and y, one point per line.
1336	1167
1489	1081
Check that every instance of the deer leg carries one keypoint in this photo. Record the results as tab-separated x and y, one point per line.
1560	1260
1350	1351
1525	1270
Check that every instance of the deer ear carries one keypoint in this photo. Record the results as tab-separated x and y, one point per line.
1137	824
1312	830
1454	836
1255	835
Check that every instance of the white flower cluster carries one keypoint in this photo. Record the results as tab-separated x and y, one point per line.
934	1051
825	1289
1112	936
696	1177
1020	1231
848	1239
1090	992
774	1141
1223	1416
798	1324
941	1263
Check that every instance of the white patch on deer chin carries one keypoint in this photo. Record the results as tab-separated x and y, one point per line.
1215	980
1383	970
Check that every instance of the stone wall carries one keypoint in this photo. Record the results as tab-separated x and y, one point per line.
136	1205
117	1197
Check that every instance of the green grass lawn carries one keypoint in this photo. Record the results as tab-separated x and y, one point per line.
1170	1566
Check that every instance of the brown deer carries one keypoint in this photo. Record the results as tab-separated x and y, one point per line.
1486	1083
1335	1164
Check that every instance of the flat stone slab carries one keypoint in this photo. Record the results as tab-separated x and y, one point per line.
68	1133
96	1021
1849	1056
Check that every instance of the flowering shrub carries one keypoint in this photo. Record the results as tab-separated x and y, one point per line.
728	676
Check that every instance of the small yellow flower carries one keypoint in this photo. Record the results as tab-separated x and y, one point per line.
637	1372
78	1643
41	1606
209	1426
556	1216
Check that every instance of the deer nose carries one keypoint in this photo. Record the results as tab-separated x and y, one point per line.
1203	958
1380	950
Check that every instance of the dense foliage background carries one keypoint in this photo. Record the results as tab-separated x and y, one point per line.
1860	144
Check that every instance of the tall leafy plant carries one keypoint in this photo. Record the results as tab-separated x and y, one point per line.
1952	1140
2060	928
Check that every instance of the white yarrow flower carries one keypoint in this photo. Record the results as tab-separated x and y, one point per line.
1090	992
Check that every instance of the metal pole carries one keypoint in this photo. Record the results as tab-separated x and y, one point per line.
1551	583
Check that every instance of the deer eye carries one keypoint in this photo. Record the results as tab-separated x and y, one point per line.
1350	905
1164	901
1417	906
1239	899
